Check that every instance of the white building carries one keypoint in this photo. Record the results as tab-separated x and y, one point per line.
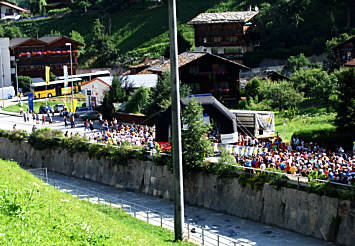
5	60
10	11
95	89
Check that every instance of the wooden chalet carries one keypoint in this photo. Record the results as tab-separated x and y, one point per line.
345	50
207	73
224	34
32	55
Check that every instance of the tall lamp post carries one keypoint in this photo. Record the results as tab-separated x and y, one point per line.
2	80
17	94
71	73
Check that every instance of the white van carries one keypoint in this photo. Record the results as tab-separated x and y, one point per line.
7	92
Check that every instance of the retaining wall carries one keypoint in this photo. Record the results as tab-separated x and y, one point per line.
298	211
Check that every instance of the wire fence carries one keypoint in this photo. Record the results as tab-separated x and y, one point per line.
193	232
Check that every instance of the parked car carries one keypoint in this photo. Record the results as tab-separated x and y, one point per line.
81	110
43	109
92	115
59	108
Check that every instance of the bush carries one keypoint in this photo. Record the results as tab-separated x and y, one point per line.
57	12
327	137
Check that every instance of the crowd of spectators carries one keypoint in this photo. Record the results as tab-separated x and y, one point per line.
303	159
117	133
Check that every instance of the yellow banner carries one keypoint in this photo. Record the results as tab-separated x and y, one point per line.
74	104
47	75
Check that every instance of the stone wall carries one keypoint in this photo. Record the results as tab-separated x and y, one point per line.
298	211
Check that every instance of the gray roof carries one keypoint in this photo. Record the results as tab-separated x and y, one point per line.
223	17
17	41
49	39
187	57
136	81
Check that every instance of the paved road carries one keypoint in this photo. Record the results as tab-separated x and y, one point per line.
7	122
229	228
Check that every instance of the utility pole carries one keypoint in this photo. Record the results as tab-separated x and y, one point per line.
2	80
18	99
176	127
71	75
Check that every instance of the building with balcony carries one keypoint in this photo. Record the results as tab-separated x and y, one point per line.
224	34
345	52
10	11
206	73
32	55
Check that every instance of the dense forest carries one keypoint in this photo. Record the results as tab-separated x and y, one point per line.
132	29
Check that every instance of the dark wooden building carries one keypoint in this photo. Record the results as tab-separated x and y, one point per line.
207	73
32	55
345	51
225	33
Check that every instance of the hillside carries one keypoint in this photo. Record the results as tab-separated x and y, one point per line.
33	213
285	27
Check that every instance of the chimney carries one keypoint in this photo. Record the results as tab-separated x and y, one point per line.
162	61
249	8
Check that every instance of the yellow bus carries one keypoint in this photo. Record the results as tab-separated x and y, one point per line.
55	88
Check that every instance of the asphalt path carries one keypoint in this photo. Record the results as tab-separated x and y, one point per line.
220	227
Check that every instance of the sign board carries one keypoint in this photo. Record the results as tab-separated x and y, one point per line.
30	100
65	70
165	146
229	138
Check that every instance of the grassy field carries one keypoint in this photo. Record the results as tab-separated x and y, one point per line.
50	101
311	116
34	213
303	122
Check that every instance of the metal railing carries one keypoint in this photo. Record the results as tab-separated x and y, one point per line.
193	232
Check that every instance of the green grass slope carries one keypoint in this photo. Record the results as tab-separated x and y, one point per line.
34	213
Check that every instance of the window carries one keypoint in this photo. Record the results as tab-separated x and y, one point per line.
194	69
215	51
217	39
232	38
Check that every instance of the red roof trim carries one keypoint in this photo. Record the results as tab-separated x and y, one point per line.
88	82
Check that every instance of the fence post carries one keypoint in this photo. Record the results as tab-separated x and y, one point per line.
134	211
147	216
54	183
87	196
98	199
298	182
46	175
235	244
77	193
188	231
161	220
217	240
203	236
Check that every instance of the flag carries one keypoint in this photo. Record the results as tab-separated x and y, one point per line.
47	75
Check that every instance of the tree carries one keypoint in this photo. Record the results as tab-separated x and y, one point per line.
345	103
280	94
195	143
161	95
252	88
103	46
294	63
52	76
77	37
37	6
10	31
138	100
24	82
183	45
115	95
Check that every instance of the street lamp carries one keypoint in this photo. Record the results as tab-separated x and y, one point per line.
2	79
71	74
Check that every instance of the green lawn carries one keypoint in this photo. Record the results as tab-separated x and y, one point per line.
51	102
34	213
